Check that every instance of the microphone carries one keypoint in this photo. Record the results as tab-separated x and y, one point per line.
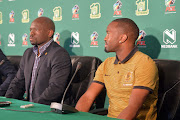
63	108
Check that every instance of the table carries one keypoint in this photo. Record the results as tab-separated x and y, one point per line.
18	115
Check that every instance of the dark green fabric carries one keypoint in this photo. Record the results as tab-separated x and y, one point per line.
17	115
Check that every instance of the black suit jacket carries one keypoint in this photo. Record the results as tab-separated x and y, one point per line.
8	71
51	77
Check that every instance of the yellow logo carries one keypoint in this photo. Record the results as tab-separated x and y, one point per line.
25	16
57	13
95	11
1	21
142	7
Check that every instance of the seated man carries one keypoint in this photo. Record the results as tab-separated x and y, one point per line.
44	69
131	78
8	71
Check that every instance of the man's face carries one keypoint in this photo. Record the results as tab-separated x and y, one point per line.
38	33
112	38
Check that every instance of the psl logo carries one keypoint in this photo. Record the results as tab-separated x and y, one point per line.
142	7
95	11
56	38
40	12
1	21
25	16
142	35
57	13
169	8
169	37
11	39
11	17
74	39
94	37
24	40
116	7
75	10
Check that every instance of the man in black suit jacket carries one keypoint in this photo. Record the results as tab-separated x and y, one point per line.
44	69
8	71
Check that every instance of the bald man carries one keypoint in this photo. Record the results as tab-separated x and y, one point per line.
130	78
44	69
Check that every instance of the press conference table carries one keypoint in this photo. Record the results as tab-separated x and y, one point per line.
30	115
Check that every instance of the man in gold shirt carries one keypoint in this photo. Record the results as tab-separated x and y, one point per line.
131	78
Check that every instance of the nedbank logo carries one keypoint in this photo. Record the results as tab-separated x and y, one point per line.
1	21
40	12
169	38
74	39
169	6
142	7
25	16
75	10
57	13
141	42
11	40
56	38
117	7
94	37
95	11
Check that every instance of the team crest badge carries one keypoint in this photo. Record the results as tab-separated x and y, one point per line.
11	17
1	21
25	16
116	8
56	38
95	11
75	10
57	13
142	7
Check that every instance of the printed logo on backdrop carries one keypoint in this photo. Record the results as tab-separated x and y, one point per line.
1	21
95	11
93	38
11	17
11	0
25	16
57	13
56	38
0	39
40	12
170	8
0	0
75	10
24	40
141	42
11	40
142	7
116	8
169	38
74	39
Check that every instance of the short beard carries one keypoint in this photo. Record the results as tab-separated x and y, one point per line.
106	50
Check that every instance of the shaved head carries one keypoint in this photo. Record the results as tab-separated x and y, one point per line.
129	27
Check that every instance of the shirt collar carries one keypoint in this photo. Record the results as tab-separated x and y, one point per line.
42	48
135	49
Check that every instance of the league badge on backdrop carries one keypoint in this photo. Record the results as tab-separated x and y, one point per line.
56	38
169	38
11	40
95	11
24	40
75	10
142	7
116	8
170	8
25	16
57	13
93	38
74	39
40	12
141	42
11	17
1	21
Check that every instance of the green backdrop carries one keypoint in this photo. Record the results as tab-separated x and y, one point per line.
81	24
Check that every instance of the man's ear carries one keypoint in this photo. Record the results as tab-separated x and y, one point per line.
123	38
51	32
